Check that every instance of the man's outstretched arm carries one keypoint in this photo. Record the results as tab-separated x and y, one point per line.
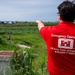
40	24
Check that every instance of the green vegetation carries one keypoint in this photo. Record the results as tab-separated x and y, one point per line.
26	33
21	63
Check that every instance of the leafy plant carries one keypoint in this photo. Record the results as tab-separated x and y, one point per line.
21	63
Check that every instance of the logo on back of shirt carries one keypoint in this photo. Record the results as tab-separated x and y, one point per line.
65	43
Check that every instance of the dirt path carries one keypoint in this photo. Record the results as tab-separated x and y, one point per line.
23	46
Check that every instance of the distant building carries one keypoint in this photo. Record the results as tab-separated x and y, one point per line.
7	22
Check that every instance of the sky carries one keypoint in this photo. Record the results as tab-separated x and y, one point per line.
29	10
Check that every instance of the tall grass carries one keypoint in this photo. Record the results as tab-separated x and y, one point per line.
21	63
6	44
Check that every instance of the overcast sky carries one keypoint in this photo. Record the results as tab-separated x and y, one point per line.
29	10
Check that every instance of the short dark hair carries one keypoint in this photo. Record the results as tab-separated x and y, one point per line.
67	11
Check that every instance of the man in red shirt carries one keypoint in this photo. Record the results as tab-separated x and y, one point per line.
60	41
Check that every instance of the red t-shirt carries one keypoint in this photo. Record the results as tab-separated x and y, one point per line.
60	41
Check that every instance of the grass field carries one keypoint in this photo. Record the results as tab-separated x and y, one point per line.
25	33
